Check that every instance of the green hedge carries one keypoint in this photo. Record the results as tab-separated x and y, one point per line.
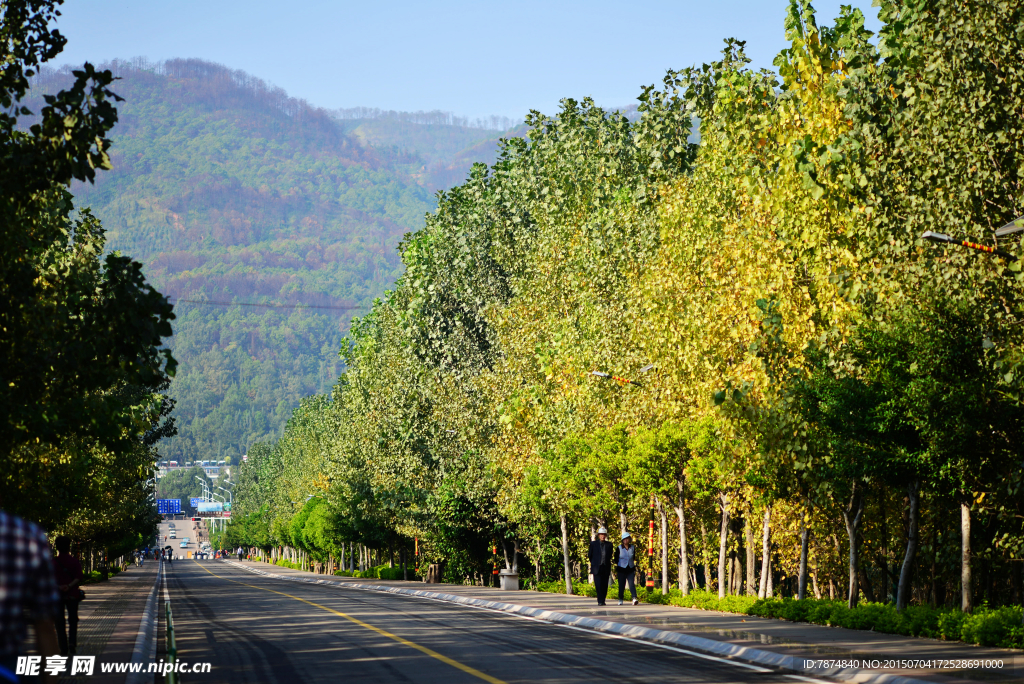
92	577
986	626
381	572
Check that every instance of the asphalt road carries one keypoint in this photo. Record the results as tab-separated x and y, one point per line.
258	629
183	528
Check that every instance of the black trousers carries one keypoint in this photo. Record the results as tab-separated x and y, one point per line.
626	575
601	585
67	634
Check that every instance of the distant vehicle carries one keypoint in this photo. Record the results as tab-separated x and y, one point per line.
171	525
173	464
173	535
197	519
183	544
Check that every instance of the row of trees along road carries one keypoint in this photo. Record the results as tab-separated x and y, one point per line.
833	404
82	369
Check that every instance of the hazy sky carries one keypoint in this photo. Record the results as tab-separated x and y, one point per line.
471	58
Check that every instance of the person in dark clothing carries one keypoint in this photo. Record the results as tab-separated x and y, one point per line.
600	555
28	593
624	561
68	572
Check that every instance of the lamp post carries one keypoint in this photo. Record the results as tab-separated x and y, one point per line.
942	238
625	381
1014	226
206	488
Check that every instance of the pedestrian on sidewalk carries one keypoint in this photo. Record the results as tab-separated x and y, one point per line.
625	566
68	572
28	592
600	555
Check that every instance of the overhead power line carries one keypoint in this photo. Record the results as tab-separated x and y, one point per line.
266	306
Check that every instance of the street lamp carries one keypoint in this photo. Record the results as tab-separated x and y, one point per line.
206	488
942	238
1014	226
231	497
625	381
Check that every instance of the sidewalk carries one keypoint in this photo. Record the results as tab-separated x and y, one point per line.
109	621
763	641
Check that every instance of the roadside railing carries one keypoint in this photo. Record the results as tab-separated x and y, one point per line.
172	649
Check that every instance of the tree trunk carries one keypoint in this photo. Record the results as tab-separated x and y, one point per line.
723	544
684	561
903	591
705	555
664	547
852	513
966	596
538	563
748	532
565	554
804	534
762	590
866	586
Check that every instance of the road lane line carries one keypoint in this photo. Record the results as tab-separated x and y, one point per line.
383	632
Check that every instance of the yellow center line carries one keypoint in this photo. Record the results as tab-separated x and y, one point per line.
383	632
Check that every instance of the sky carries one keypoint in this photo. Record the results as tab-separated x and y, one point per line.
472	58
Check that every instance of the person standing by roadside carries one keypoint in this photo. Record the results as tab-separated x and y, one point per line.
68	571
600	555
625	567
28	592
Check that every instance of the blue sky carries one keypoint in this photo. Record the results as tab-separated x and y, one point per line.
471	58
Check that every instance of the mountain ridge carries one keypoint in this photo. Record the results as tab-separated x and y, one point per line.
229	190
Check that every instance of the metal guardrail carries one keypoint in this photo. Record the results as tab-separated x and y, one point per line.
172	648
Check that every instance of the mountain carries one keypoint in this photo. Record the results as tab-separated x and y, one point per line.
270	222
443	147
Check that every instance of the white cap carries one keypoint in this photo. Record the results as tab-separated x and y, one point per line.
602	530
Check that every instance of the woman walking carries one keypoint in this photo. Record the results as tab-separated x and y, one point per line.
625	567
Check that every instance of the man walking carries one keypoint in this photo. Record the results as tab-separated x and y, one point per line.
68	571
600	555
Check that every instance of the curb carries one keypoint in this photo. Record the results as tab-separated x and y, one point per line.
742	653
145	643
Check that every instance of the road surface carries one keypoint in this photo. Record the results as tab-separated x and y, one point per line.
182	528
257	629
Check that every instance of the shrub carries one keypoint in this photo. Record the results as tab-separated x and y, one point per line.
987	626
395	573
994	627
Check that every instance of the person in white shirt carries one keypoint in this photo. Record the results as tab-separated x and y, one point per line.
625	567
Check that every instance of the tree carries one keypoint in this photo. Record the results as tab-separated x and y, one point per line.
83	363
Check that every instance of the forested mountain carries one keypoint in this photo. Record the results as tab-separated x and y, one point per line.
443	147
230	191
